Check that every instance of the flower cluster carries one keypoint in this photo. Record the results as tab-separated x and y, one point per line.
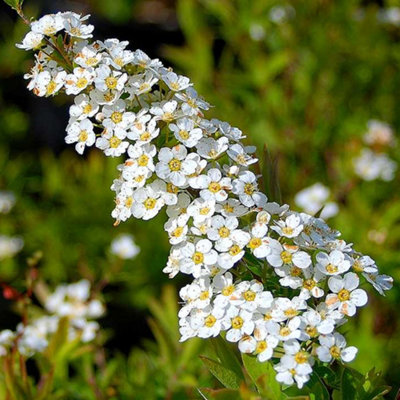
314	199
242	251
68	301
373	162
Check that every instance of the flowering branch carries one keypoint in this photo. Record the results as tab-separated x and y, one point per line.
242	251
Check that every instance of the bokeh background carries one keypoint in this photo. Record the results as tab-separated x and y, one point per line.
301	79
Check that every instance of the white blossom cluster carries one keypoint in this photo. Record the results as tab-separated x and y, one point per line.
7	201
276	282
124	247
315	199
373	162
68	301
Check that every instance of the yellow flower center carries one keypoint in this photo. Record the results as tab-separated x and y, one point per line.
204	295
334	351
357	266
254	243
116	117
83	136
204	211
184	134
145	136
174	165
295	271
228	290
214	187
249	295
309	284
212	153
286	257
228	208
150	203
81	83
119	61
115	142
177	232
108	97
87	109
224	232
237	322
111	82
311	331
241	159
291	312
51	87
143	160
172	188
128	202
91	61
210	321
261	346
234	250
287	230
285	331
168	117
331	268
249	189
174	85
198	257
344	295
75	31
301	357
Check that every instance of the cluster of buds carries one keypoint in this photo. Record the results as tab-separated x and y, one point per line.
276	282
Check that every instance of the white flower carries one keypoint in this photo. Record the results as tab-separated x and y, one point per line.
201	209
346	297
6	339
231	208
84	107
10	246
119	57
250	295
334	263
177	229
115	115
265	344
113	142
79	80
232	249
290	227
106	79
147	202
176	82
142	83
287	255
88	57
364	264
213	185
196	255
31	41
48	83
295	365
239	154
166	111
210	323
74	27
370	166
7	201
191	103
313	325
247	189
222	228
379	134
124	247
334	347
185	131
210	148
240	323
379	282
81	133
176	164
48	25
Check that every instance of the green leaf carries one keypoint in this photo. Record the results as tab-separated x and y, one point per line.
225	375
263	376
16	4
226	355
350	387
58	339
219	394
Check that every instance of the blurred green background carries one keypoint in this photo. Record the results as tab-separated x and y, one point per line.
301	79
